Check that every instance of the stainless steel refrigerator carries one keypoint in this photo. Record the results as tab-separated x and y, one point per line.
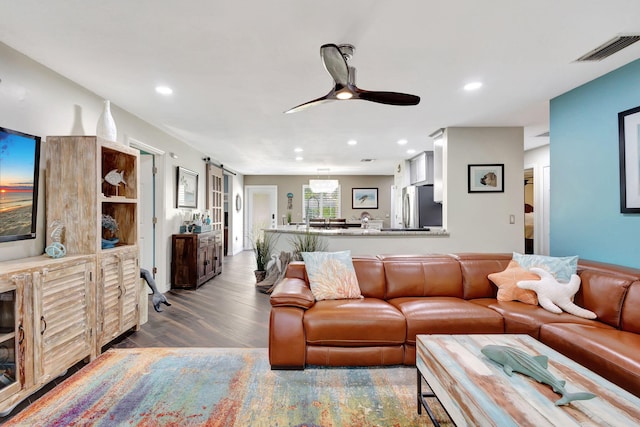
418	208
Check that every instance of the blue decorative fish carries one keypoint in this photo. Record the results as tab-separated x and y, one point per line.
515	360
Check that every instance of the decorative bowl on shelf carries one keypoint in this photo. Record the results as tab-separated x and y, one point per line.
109	243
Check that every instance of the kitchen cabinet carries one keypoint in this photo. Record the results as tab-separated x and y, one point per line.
421	169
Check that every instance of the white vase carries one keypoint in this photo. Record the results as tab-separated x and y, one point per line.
106	125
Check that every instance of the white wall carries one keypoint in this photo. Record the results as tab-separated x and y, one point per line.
480	221
35	100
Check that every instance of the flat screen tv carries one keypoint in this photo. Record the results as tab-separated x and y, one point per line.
19	167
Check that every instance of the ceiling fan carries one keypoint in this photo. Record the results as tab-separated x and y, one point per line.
334	58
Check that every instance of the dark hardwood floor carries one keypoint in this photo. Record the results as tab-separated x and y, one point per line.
227	311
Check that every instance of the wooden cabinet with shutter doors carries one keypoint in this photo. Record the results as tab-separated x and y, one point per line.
52	305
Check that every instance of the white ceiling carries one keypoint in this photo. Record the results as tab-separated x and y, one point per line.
235	66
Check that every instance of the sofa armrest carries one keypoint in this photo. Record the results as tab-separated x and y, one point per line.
293	293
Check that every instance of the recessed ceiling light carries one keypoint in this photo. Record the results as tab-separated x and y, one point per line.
299	158
473	86
164	90
402	142
411	151
352	142
298	150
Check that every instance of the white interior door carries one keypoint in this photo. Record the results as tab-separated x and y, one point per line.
261	209
147	213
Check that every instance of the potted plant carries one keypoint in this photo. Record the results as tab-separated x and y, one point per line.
263	246
307	242
109	228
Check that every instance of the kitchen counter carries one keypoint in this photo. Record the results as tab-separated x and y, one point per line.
361	231
362	241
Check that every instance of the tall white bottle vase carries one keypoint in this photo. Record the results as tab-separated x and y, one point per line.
106	125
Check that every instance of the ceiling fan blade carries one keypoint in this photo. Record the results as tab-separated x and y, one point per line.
390	98
335	64
308	104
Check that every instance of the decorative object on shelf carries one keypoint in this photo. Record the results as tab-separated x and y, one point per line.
56	249
629	135
115	178
364	198
187	188
109	228
486	178
515	360
106	127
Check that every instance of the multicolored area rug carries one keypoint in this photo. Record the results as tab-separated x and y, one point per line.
224	387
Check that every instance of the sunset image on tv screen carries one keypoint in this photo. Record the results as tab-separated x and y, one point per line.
17	154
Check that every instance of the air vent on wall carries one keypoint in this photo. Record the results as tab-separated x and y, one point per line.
607	49
368	160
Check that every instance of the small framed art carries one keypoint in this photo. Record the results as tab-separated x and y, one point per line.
486	178
364	198
187	188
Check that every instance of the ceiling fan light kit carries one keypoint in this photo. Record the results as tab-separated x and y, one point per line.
335	57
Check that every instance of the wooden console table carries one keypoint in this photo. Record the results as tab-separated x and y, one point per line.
195	258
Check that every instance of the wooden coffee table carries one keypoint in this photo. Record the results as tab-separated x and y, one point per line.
476	391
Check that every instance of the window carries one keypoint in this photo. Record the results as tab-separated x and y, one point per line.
320	205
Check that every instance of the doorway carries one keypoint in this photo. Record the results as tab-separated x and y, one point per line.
261	210
152	252
147	213
529	211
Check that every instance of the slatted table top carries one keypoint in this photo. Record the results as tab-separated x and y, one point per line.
476	391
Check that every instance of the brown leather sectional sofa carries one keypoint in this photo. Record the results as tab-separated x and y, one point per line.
450	294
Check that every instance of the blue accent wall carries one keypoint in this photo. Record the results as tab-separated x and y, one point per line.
585	217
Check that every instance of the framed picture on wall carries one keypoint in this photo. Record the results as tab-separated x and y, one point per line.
486	178
364	198
187	188
629	129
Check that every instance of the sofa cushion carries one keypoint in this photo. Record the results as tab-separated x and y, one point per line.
527	319
475	268
422	277
603	293
354	323
631	309
560	267
331	275
292	292
446	315
609	352
370	274
507	281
